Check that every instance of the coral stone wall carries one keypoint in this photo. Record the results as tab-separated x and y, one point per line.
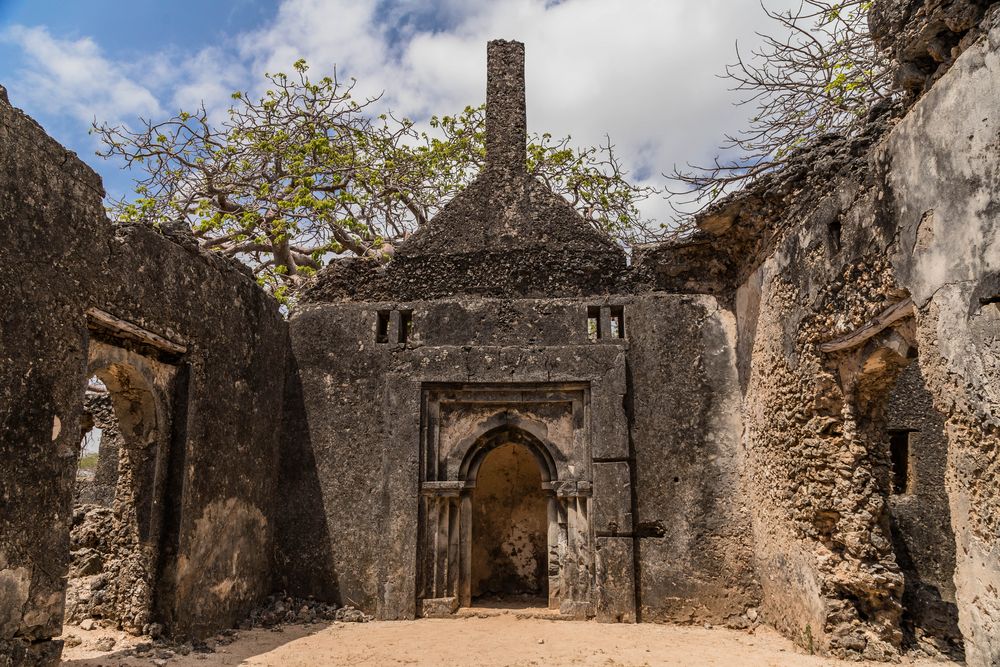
664	456
906	210
944	180
61	257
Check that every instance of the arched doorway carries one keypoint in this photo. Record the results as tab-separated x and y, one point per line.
117	510
509	528
524	532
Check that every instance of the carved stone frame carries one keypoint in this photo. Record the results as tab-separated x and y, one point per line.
448	478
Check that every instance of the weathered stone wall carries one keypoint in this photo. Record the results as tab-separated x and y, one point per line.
694	547
824	554
100	490
351	477
944	182
921	518
905	210
924	37
60	256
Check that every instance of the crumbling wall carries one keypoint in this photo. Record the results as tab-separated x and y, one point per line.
850	228
100	489
61	256
923	38
824	551
944	179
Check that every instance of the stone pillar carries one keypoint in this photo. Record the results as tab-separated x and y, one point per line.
554	551
506	118
577	558
445	570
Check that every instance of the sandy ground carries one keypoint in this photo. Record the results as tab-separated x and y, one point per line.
490	641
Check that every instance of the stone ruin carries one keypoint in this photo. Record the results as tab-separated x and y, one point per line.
790	417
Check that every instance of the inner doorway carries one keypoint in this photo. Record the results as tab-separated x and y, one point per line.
509	530
112	543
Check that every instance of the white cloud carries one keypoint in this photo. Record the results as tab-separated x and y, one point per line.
208	77
73	77
643	71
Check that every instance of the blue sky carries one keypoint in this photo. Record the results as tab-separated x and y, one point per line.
643	71
125	31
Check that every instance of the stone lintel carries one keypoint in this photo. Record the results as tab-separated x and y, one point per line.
447	488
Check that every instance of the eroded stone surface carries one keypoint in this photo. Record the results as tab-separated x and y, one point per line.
711	426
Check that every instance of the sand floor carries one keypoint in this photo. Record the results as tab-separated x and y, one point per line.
505	638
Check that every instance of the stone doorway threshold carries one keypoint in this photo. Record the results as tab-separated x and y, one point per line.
516	605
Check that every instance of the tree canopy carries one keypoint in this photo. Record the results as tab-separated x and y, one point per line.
306	172
819	73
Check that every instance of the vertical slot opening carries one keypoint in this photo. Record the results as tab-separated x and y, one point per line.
835	229
593	322
618	321
405	325
382	327
899	455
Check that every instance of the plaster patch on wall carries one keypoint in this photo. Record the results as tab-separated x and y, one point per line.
226	544
14	586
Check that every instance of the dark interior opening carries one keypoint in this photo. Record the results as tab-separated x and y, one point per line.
509	530
405	325
382	327
835	228
899	455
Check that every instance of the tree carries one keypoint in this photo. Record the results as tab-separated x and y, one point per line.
305	172
820	74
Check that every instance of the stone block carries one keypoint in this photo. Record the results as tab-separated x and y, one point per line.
609	425
612	501
615	580
438	607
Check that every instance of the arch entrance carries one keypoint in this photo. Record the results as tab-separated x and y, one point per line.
505	503
118	514
509	527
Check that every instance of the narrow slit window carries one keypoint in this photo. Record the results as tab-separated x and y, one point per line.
405	325
382	327
593	322
899	456
617	321
835	229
